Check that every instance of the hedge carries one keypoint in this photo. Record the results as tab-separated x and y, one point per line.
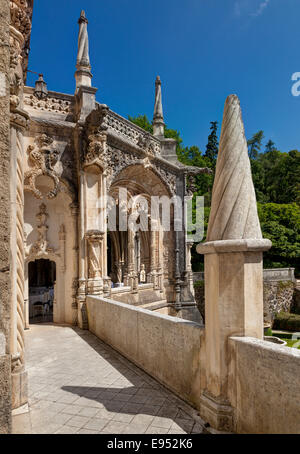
286	321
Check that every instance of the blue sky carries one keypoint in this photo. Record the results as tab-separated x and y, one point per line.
203	51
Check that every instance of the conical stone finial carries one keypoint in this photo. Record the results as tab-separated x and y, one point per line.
158	118
233	210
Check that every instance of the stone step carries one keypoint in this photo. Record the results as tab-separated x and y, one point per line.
154	305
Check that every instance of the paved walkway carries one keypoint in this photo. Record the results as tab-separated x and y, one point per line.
78	384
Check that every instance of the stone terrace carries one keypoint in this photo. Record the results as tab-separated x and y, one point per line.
78	384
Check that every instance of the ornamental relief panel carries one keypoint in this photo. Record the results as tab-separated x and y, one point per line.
46	158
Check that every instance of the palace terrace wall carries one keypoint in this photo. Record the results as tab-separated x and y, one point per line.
265	384
166	347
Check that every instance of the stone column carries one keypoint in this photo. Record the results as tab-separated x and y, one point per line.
62	247
178	281
75	214
153	253
233	267
95	272
189	271
26	296
20	28
81	293
19	121
5	300
160	259
131	260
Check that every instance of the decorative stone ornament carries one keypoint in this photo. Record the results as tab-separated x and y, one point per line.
41	246
41	91
158	118
43	156
96	151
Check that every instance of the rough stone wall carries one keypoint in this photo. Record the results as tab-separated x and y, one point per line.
278	296
296	301
5	379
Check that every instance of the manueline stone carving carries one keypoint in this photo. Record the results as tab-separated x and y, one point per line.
15	78
96	151
145	142
41	246
94	239
43	156
50	104
20	17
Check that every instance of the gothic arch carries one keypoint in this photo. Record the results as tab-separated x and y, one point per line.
139	173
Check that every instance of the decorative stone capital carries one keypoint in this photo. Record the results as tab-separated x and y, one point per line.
227	246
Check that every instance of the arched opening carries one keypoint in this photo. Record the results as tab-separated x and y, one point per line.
146	254
41	282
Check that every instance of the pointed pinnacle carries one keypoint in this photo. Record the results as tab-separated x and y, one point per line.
82	17
233	208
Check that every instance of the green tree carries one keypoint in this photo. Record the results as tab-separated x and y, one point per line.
212	146
142	121
254	144
281	224
270	146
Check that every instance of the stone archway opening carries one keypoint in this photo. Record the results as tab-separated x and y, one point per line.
41	283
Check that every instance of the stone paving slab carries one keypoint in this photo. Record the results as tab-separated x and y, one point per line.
78	384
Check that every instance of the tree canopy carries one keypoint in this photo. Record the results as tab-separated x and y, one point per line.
276	178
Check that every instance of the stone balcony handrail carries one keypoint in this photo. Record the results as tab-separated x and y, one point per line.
134	133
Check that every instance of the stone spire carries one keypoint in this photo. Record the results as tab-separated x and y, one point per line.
233	210
158	118
83	74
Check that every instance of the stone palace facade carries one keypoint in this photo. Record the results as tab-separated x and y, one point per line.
70	152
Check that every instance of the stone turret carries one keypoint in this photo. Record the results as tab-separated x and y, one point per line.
158	118
85	93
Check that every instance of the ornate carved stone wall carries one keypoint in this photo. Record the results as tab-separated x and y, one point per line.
5	316
20	29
